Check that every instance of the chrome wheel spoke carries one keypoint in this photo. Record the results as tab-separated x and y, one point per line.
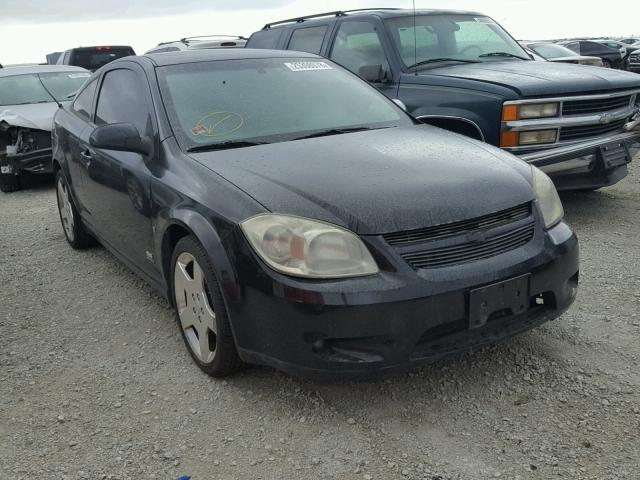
66	212
206	354
182	283
187	318
198	278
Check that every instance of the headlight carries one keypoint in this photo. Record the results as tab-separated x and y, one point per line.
308	248
547	196
529	110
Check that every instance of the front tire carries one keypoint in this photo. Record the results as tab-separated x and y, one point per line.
9	183
72	225
201	312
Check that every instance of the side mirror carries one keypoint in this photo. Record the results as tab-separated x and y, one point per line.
373	73
123	137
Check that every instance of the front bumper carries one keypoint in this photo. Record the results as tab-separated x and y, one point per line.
397	319
37	161
591	164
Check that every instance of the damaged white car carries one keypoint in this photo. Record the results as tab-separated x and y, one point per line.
29	97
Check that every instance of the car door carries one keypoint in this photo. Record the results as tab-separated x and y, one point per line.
76	139
117	184
358	46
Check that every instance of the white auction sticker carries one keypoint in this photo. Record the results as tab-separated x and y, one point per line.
308	66
5	170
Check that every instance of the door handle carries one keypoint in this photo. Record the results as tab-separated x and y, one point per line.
86	155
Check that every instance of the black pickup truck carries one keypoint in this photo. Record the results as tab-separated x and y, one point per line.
463	72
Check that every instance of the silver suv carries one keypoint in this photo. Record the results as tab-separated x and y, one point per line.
196	43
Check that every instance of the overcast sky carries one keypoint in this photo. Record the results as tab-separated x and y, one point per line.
29	29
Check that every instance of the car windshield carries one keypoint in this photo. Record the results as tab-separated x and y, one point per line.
463	37
28	88
551	50
269	100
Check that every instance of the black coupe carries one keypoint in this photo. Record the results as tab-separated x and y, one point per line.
296	217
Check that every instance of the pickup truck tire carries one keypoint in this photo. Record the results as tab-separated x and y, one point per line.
72	226
606	64
9	182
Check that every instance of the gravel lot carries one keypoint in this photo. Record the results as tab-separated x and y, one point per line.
95	382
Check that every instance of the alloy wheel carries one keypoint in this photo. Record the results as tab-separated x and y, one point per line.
66	211
193	302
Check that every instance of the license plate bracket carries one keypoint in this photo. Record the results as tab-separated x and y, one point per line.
614	155
510	295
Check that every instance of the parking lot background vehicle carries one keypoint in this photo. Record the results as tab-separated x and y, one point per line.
634	61
611	57
476	81
202	42
92	58
559	53
248	196
29	97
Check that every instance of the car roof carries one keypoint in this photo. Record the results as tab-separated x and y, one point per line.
11	71
384	13
101	46
209	55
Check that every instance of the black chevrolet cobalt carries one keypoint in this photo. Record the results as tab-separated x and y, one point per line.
297	218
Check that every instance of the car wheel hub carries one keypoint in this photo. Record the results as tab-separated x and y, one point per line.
197	318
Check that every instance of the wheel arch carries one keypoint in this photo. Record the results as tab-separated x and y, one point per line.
461	125
191	223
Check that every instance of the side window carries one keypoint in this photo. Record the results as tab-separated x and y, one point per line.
265	39
308	39
575	46
588	47
358	44
122	99
84	101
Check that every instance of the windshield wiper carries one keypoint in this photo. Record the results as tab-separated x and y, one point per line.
335	131
443	59
502	54
224	146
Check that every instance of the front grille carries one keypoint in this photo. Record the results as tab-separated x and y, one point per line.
586	131
472	251
598	105
438	232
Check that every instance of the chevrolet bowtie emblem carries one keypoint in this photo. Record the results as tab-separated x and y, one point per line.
606	118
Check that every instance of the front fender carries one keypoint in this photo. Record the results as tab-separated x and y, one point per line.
198	225
481	109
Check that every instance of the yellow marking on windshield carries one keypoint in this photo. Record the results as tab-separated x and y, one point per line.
218	124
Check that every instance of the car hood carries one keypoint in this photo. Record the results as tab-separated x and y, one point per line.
379	181
539	78
38	116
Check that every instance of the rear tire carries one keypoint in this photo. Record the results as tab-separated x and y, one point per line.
606	64
201	313
72	225
9	182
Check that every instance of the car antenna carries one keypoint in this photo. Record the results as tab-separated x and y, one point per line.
415	38
47	90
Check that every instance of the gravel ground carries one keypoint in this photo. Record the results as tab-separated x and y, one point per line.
95	382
